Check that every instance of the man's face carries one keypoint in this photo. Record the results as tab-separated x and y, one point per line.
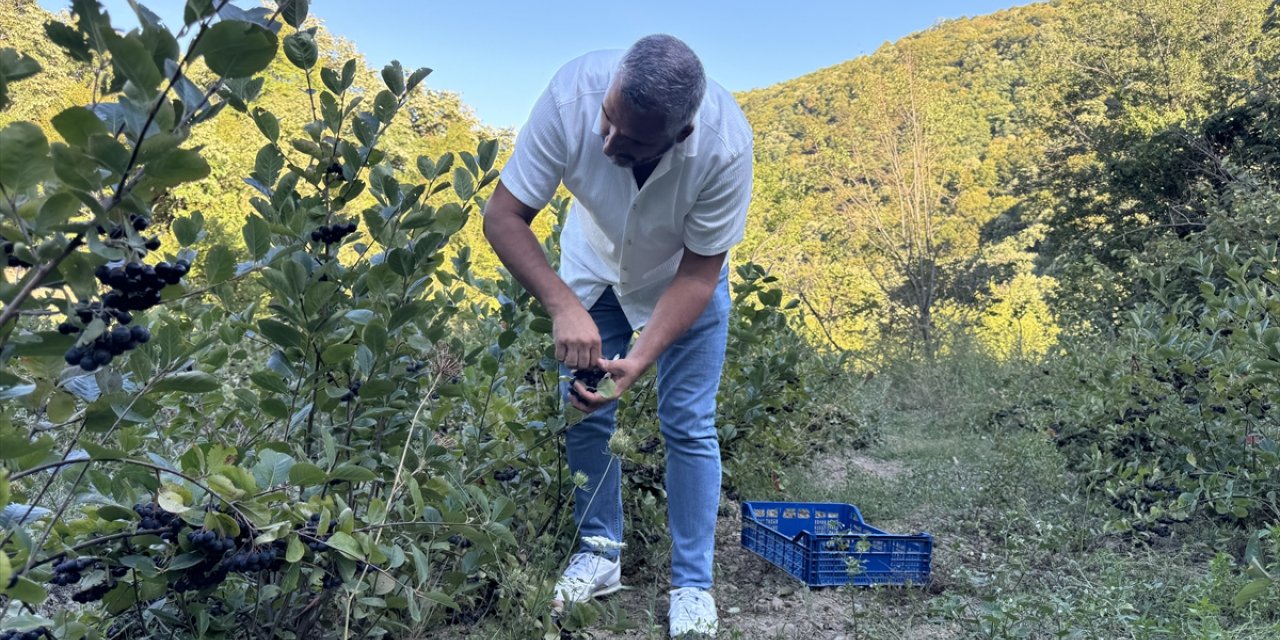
632	139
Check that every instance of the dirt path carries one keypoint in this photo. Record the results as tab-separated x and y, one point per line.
760	601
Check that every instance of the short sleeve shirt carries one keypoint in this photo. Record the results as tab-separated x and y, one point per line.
617	234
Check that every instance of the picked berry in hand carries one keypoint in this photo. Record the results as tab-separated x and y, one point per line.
590	378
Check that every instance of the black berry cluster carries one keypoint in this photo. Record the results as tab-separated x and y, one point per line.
136	286
270	558
93	593
459	541
210	543
68	572
11	260
590	378
314	541
505	475
33	634
334	233
353	388
106	347
153	517
415	366
210	572
139	223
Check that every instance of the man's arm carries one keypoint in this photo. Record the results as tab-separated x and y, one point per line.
679	307
506	227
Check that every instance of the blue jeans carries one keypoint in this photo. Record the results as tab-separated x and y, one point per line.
688	379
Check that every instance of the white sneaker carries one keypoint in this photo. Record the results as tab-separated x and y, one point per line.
588	576
693	611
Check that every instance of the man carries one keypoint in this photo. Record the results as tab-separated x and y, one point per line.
659	163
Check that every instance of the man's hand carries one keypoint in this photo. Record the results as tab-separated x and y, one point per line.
577	337
623	372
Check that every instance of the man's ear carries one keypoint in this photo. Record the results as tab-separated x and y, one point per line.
684	133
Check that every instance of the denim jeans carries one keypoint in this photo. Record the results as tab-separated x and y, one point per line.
688	378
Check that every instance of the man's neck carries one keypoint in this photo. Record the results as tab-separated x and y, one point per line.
642	173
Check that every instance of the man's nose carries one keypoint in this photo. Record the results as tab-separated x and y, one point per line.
611	144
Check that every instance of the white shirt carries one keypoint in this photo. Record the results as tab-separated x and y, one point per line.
617	235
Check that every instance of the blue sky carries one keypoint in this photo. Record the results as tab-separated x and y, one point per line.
499	54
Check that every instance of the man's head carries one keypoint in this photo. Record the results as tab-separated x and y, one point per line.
652	102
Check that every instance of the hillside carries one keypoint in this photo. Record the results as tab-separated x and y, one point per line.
930	187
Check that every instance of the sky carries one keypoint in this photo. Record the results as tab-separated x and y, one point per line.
499	54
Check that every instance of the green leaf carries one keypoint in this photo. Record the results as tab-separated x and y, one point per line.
187	229
196	10
257	237
93	22
219	265
295	550
72	42
26	591
272	469
305	474
541	325
338	353
269	380
1250	591
172	501
281	333
186	382
222	523
346	544
267	123
384	107
60	408
237	49
294	12
268	164
133	60
463	184
393	76
24	157
6	569
331	80
418	76
377	388
177	167
486	153
15	66
350	472
440	597
300	49
76	124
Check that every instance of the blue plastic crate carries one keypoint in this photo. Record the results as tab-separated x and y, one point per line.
817	543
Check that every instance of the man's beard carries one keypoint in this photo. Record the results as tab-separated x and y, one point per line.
628	162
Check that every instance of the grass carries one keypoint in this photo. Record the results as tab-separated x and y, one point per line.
1020	550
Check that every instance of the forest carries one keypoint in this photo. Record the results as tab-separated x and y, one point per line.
1012	280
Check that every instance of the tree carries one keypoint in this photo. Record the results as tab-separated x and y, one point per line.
894	194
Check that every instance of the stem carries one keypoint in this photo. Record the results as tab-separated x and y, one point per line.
34	281
90	543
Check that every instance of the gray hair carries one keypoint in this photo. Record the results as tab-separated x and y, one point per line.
661	75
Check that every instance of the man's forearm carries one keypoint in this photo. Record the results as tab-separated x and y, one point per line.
518	249
679	307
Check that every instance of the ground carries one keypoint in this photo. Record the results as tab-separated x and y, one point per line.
1020	552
